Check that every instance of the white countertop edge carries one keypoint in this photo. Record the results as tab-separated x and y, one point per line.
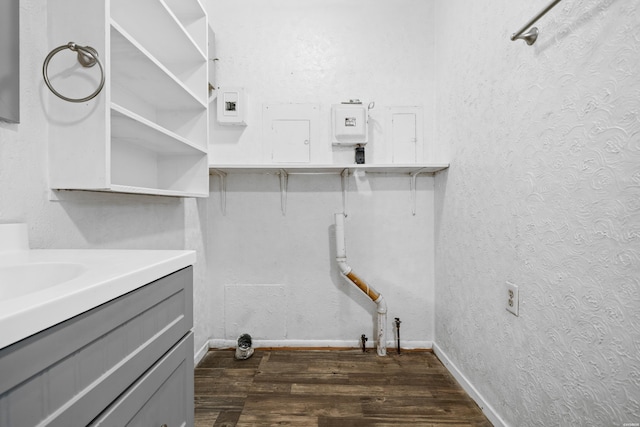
40	315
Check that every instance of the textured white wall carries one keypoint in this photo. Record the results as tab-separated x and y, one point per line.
325	52
84	219
307	302
543	191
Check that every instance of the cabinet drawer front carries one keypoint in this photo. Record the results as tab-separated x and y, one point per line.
163	396
68	374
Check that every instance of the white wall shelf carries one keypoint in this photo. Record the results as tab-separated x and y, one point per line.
172	45
147	132
329	169
284	170
137	70
138	130
194	19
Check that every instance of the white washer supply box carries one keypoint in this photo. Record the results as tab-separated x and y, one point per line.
349	123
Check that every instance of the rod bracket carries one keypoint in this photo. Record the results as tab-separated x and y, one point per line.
284	184
531	36
414	176
223	189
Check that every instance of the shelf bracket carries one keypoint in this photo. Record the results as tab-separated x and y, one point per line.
223	190
345	190
284	183
414	176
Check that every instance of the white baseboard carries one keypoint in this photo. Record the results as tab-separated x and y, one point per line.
412	345
197	358
487	409
342	344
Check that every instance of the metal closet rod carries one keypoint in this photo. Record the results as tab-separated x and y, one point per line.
543	12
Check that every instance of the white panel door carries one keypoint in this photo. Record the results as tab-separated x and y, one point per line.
290	141
404	137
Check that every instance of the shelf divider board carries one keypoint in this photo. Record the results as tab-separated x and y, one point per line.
72	152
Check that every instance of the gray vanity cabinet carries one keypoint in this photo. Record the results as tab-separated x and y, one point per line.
127	362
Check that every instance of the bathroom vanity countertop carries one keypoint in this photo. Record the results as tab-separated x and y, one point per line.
102	275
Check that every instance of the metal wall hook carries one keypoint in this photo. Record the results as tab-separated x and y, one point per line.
87	57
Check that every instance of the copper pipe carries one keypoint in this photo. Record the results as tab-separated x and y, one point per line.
363	286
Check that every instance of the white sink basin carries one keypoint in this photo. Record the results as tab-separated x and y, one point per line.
22	279
43	287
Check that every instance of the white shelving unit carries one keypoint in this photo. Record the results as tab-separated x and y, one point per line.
147	131
284	170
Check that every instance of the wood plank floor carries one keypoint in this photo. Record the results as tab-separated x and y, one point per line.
330	388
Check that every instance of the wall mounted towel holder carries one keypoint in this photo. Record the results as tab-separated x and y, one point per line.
87	57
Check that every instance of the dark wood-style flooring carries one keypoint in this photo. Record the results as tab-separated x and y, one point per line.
330	388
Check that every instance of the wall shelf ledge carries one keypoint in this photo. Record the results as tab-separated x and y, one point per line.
344	170
311	169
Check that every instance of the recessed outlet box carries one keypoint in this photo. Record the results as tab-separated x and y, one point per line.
512	298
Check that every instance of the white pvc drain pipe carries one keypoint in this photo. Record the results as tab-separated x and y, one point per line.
348	273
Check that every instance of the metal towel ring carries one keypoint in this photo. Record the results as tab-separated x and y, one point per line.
87	57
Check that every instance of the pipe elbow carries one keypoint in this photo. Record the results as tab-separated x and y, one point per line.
344	267
381	305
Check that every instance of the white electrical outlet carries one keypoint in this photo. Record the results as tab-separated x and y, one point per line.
512	298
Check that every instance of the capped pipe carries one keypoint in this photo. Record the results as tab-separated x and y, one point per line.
398	321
